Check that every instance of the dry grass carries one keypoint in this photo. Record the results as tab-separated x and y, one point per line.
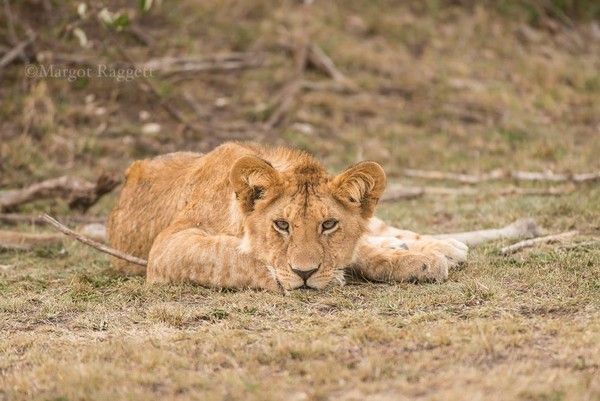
443	87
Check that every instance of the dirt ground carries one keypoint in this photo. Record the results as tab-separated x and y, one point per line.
456	86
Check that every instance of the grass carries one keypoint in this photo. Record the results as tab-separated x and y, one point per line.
458	88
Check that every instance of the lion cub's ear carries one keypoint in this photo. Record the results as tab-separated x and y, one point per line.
360	186
252	178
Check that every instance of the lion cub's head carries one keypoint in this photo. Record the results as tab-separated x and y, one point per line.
302	222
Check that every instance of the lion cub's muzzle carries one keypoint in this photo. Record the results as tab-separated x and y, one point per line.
305	273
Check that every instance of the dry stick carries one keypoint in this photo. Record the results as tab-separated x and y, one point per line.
550	176
536	241
320	60
14	53
397	192
500	174
80	193
462	178
224	62
288	95
139	34
90	242
518	229
9	22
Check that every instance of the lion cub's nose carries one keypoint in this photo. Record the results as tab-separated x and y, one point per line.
305	274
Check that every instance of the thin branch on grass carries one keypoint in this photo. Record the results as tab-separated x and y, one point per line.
79	193
321	61
462	178
537	241
501	174
20	241
10	24
90	242
287	97
139	34
217	62
523	228
15	52
555	177
398	192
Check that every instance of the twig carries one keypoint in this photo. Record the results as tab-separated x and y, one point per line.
26	241
550	176
288	95
10	23
398	192
80	193
320	60
218	62
524	228
500	174
14	53
462	178
102	248
139	34
536	241
16	218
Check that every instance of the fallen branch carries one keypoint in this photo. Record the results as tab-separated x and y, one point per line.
398	192
218	62
536	241
16	218
79	193
287	97
550	176
14	53
462	178
321	61
90	242
524	228
500	174
20	241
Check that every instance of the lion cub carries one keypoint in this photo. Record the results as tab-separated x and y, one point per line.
249	216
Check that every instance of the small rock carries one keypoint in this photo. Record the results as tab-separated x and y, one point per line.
144	115
151	128
221	102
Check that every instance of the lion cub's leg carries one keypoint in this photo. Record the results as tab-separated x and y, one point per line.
211	260
382	259
454	251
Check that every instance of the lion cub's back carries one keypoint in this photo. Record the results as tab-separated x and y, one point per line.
154	191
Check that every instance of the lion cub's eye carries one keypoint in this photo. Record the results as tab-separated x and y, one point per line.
281	226
329	225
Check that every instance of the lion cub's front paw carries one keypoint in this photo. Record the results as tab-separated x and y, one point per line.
418	266
454	251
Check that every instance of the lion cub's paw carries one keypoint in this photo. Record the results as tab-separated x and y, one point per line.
418	267
454	251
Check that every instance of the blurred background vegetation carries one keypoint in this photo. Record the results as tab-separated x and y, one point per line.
455	85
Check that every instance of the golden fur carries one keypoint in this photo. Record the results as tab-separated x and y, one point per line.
248	216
